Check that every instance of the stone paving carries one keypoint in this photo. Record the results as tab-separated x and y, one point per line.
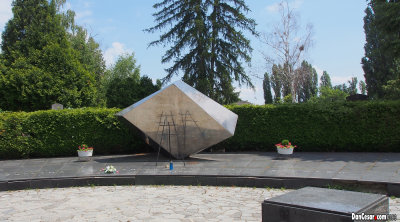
380	167
140	203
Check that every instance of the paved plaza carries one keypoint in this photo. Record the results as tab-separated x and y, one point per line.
140	203
377	167
177	203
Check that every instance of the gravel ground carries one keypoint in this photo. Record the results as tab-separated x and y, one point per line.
140	203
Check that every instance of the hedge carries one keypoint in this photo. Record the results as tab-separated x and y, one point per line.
348	126
372	126
58	133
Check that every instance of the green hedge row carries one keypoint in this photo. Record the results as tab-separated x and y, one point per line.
349	126
58	133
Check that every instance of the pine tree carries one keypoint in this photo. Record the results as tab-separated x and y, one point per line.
207	45
267	89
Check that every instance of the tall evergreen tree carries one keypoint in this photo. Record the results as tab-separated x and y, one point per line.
382	47
276	82
363	87
307	81
267	89
207	44
326	80
352	90
41	66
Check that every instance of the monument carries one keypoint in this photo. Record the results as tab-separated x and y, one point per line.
181	120
321	204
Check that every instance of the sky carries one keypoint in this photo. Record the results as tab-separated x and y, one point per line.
338	35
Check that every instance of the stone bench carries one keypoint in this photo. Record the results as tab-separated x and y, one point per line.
320	204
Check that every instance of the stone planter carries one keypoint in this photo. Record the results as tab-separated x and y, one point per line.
285	151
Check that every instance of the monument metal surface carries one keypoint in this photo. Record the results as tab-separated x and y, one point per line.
181	120
320	204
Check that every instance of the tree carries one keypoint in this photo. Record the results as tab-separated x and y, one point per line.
329	95
392	89
363	87
342	87
382	47
88	50
123	84
325	80
307	81
288	46
207	45
267	89
276	82
352	90
41	66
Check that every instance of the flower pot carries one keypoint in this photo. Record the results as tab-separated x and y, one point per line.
285	151
85	153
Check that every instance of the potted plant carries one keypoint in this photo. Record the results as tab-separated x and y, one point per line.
285	147
84	150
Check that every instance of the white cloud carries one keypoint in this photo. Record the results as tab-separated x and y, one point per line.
5	12
111	54
295	4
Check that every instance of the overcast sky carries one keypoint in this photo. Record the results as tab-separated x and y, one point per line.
118	26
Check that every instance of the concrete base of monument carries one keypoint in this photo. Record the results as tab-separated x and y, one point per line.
328	205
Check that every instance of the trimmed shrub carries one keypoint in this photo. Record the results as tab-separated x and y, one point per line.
59	133
345	126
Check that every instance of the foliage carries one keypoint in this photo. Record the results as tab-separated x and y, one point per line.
40	66
392	89
123	92
288	98
123	84
337	126
325	80
363	87
364	126
306	82
329	95
276	82
58	132
125	67
382	45
285	142
288	41
267	89
352	90
208	44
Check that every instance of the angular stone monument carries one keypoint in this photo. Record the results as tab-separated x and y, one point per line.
320	204
181	120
